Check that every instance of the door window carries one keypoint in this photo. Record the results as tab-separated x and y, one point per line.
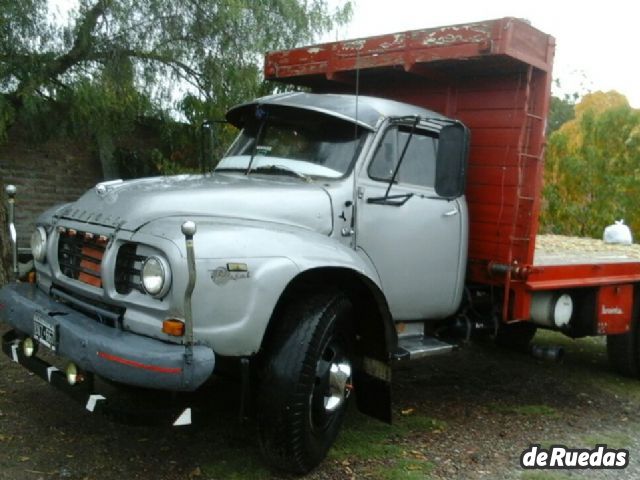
419	164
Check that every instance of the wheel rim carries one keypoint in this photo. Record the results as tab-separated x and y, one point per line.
332	386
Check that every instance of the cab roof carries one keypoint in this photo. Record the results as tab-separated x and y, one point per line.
363	110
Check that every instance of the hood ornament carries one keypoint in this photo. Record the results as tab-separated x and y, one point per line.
103	187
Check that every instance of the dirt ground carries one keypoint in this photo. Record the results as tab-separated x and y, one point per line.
467	415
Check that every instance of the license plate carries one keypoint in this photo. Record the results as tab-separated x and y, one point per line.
44	332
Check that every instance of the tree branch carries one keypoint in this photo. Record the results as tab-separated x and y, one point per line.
169	61
84	39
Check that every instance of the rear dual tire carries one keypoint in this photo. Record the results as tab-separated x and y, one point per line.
624	350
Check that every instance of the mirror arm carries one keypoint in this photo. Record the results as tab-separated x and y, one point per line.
392	200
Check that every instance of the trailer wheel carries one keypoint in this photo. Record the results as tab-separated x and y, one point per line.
305	382
515	336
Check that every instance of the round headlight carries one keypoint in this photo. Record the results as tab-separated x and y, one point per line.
39	244
156	276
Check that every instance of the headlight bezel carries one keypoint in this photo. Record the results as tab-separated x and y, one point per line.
39	249
156	261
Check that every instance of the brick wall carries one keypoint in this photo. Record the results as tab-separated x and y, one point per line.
46	174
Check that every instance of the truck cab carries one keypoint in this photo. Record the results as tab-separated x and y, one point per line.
378	158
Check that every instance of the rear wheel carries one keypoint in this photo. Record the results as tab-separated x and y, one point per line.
305	381
624	350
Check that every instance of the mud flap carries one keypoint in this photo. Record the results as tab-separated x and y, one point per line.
372	384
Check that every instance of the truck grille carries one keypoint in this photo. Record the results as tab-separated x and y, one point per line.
80	255
104	313
128	269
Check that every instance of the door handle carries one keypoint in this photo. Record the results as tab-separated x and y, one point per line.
450	213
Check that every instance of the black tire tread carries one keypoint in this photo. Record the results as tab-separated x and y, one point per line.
623	350
288	355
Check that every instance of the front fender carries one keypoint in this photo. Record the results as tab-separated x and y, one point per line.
232	308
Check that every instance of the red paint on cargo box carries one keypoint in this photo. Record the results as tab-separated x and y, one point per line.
615	304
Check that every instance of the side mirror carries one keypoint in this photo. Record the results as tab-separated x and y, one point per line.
451	161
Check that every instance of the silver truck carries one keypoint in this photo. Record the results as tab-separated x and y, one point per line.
340	234
293	258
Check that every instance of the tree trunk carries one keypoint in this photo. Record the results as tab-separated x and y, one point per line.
106	149
5	242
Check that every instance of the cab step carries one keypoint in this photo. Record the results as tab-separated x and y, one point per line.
420	346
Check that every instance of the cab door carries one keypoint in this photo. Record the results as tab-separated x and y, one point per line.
413	237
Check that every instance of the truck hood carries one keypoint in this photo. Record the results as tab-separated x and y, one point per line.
132	204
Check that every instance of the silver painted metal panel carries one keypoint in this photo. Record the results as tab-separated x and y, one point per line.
128	205
416	249
364	110
279	227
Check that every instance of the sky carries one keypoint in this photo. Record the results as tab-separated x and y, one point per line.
596	42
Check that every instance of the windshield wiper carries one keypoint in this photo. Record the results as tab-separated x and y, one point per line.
281	168
261	114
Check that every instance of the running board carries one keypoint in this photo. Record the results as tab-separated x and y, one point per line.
419	346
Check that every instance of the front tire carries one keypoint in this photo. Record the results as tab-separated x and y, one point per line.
305	381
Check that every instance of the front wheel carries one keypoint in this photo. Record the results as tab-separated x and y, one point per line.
305	381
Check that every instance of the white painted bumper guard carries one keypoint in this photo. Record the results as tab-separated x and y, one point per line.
183	419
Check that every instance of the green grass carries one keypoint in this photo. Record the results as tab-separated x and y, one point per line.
388	450
611	439
406	469
544	476
587	365
231	464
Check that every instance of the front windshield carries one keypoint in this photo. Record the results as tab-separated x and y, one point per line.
297	141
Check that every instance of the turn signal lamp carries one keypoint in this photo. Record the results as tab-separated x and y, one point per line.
173	327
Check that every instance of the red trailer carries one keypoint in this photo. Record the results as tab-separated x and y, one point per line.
495	77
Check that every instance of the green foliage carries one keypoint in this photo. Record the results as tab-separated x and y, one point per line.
561	110
592	171
118	60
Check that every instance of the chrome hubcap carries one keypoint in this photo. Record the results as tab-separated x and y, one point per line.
339	386
332	386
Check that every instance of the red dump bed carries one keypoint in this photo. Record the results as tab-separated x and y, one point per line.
494	76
